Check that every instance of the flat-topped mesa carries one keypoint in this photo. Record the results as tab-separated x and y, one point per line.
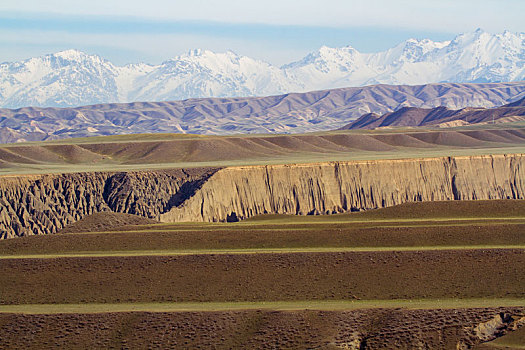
325	188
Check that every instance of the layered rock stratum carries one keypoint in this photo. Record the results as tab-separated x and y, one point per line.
43	204
337	187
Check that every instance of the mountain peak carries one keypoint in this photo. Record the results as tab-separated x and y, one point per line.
205	52
72	77
472	36
330	50
196	52
71	54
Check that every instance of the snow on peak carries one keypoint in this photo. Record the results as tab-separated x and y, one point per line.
72	77
71	54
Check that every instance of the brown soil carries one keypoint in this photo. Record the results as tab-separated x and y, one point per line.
490	273
511	341
374	329
450	209
266	277
106	221
231	236
458	209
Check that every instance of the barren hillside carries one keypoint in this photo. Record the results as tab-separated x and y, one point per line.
290	113
441	117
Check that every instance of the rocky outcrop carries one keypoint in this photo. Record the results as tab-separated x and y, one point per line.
325	188
152	193
492	329
44	204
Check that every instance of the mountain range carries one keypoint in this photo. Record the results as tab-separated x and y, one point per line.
288	113
73	78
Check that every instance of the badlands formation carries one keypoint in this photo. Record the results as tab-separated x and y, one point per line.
41	204
193	241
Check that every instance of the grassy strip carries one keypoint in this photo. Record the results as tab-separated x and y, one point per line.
255	251
347	218
269	159
270	305
270	225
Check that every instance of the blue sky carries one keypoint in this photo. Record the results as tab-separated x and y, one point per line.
278	31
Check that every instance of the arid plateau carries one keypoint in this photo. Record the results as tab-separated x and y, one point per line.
405	237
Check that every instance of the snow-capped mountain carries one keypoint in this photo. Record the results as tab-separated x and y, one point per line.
63	79
72	78
202	73
471	57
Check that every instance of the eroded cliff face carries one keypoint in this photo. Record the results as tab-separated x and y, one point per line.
45	204
336	187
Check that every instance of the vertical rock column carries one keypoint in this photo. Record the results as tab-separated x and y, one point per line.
336	187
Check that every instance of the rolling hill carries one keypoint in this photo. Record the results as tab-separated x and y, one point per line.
441	117
289	113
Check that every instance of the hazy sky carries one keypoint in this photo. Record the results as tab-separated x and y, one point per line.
277	31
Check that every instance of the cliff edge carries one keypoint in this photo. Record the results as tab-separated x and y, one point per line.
43	204
336	187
